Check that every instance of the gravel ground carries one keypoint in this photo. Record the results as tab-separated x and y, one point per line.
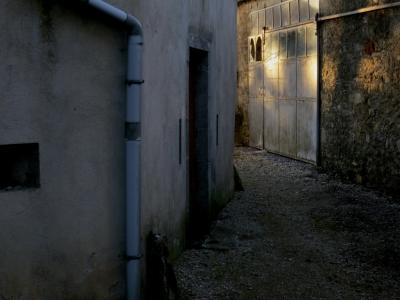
295	233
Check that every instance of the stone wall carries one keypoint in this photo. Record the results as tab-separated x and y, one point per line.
360	94
243	33
243	29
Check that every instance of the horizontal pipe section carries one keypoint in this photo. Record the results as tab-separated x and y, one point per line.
359	11
118	14
109	9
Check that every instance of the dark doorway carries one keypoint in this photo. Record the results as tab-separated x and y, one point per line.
198	146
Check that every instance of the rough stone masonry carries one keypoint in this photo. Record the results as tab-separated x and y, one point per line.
360	87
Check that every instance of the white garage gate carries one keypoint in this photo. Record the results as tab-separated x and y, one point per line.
283	79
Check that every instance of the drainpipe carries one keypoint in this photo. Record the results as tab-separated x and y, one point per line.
134	82
359	11
319	78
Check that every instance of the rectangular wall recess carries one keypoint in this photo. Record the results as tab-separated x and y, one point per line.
19	166
180	141
217	130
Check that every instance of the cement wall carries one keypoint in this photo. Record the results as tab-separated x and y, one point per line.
171	30
63	87
360	87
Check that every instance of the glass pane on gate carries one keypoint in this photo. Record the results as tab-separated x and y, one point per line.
301	41
285	15
294	12
261	21
275	44
282	45
254	23
304	10
277	17
291	48
269	19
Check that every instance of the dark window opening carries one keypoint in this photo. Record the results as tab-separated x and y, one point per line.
19	166
252	50
259	50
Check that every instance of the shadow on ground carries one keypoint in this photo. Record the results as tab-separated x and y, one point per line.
295	233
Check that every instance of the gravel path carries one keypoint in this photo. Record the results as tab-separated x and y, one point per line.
295	233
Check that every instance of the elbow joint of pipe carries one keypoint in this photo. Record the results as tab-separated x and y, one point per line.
135	25
130	21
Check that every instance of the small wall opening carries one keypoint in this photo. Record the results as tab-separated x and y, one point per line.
259	50
19	166
252	51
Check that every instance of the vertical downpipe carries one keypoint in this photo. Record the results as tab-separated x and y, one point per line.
133	136
317	28
133	161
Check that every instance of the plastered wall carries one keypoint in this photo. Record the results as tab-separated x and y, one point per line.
63	75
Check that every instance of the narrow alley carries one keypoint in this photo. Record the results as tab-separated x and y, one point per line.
296	233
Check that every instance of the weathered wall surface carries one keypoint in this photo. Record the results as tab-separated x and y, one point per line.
62	86
169	32
360	88
241	116
243	33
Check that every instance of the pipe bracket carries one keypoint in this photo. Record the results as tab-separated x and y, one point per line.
133	131
132	257
131	82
